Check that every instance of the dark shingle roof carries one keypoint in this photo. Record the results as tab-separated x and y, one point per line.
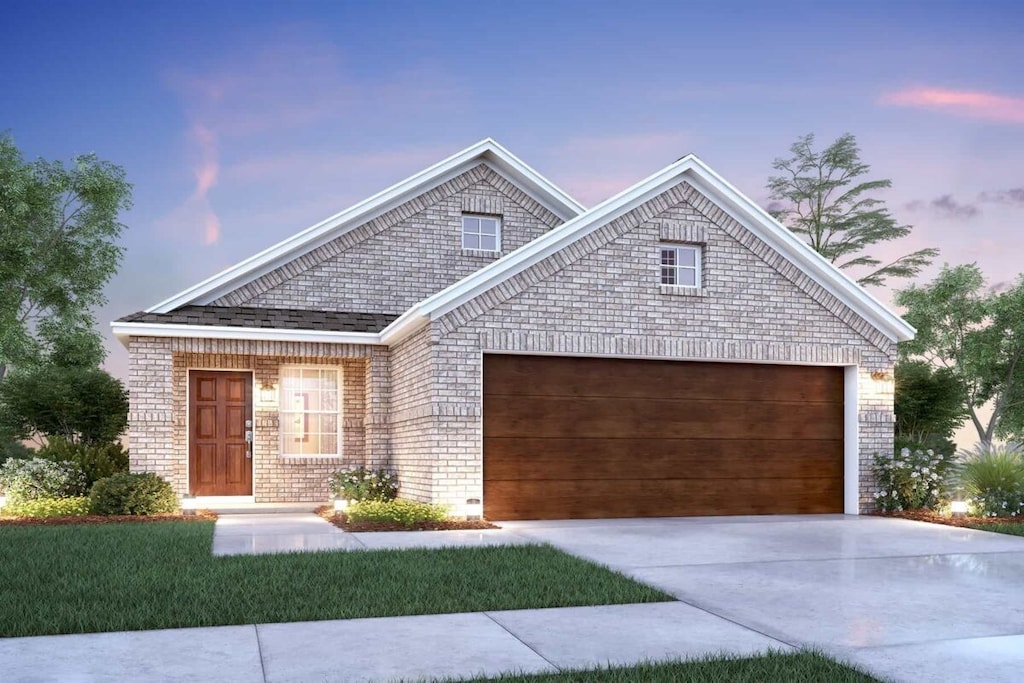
282	318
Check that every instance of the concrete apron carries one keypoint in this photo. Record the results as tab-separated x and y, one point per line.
905	600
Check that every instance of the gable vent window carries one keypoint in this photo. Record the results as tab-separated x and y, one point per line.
680	265
482	233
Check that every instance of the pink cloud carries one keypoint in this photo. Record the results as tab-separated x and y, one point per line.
195	215
968	103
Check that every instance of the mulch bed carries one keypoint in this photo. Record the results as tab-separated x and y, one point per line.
935	518
200	516
341	521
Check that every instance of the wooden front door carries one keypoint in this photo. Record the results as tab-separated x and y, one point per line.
219	415
598	437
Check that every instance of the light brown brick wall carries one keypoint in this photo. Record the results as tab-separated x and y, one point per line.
403	256
602	296
159	438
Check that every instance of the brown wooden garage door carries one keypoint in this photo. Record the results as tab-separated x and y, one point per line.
592	437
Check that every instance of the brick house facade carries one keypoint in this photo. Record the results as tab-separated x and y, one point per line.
565	282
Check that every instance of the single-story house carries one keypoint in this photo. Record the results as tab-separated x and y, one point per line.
671	351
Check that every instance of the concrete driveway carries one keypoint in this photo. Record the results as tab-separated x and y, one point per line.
906	600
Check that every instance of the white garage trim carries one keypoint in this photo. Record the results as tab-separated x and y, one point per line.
851	443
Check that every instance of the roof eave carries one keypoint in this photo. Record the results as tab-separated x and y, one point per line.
124	330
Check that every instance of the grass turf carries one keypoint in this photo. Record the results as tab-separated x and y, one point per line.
1011	528
124	577
795	667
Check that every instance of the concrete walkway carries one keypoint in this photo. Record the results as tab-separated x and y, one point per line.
395	648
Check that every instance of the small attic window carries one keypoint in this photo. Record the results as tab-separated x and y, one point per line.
680	265
482	233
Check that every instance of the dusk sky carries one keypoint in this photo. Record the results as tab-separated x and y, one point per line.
241	123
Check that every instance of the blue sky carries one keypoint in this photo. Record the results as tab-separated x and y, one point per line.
241	123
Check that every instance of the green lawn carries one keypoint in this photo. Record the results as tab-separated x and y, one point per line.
799	667
1009	528
122	577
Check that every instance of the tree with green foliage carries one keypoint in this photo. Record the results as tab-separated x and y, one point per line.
823	197
931	404
80	404
58	248
976	333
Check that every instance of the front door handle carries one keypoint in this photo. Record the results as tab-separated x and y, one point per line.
248	443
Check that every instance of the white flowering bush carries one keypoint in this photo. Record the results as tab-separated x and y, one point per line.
993	479
38	478
357	484
912	479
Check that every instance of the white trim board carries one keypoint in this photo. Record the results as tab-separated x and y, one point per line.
701	177
486	151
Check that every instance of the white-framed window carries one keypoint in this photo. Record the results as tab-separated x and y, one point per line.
310	411
680	265
481	232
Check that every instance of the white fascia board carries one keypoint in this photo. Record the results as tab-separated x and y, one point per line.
501	160
754	218
124	330
691	169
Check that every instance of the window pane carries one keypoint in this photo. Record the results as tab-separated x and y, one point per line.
328	444
471	241
488	226
668	276
329	424
470	224
687	277
328	380
668	257
489	242
687	257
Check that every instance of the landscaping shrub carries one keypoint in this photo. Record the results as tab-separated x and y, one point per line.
912	480
97	461
49	507
38	478
133	494
15	450
993	480
357	484
405	512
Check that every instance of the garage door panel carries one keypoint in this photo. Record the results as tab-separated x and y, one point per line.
599	437
558	416
562	376
583	459
565	499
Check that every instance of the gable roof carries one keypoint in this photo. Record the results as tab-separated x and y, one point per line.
694	171
486	151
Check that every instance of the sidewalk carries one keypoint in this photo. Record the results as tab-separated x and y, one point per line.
386	649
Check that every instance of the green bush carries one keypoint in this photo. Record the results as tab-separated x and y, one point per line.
38	478
356	484
49	507
993	479
912	480
404	512
133	494
97	461
15	450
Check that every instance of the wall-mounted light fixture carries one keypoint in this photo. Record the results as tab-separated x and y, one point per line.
474	510
268	392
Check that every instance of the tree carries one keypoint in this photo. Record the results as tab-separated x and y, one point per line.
58	232
80	404
931	404
977	334
823	197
